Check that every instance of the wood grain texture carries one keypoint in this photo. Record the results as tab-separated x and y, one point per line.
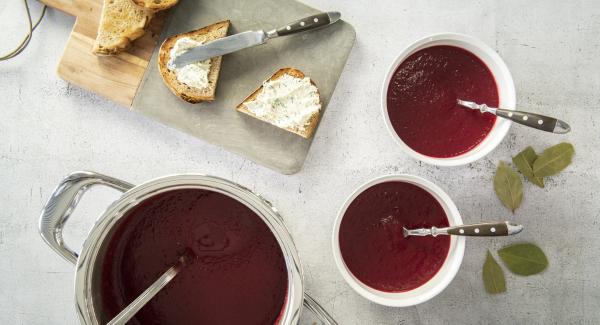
114	77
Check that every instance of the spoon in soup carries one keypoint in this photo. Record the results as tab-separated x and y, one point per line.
479	229
128	312
536	121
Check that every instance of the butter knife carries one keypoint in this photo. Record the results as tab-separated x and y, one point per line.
247	39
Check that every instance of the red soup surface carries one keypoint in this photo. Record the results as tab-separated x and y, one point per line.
237	277
371	240
421	101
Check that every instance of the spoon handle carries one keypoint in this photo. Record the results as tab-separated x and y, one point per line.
128	312
479	229
537	121
485	229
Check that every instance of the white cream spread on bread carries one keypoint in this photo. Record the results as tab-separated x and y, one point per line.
287	102
193	74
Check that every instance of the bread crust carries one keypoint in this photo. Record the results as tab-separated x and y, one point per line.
156	5
187	93
310	127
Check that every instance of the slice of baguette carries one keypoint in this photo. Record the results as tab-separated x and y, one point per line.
156	5
309	129
122	21
183	91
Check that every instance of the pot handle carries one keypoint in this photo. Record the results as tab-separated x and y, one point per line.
63	201
314	306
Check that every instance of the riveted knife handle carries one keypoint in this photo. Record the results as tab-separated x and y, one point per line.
306	24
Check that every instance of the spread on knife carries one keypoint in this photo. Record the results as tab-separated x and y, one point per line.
195	82
194	74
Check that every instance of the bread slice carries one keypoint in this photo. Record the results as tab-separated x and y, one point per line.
156	5
309	128
121	22
183	91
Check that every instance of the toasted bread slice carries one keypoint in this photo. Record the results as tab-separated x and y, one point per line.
183	91
156	5
122	21
307	130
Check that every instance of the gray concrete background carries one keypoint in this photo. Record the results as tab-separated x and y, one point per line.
49	129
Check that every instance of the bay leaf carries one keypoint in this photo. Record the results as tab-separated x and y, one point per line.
524	259
553	160
508	186
493	276
524	162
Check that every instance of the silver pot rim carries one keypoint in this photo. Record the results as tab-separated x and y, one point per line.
66	196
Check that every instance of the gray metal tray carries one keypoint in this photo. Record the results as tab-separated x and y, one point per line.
320	54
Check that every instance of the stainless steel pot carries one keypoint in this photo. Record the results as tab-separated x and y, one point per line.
65	197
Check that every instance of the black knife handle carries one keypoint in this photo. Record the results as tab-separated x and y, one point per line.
309	23
537	121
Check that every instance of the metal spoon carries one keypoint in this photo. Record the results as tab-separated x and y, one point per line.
480	229
536	121
128	312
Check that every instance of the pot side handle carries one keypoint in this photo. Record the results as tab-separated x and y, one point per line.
63	201
314	306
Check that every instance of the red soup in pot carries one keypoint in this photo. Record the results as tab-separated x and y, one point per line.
238	274
421	101
373	246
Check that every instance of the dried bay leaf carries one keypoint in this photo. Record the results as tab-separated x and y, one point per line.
553	160
493	276
508	186
524	162
524	259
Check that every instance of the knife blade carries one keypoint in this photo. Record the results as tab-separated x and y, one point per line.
248	39
221	46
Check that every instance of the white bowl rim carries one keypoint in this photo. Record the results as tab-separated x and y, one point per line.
500	128
457	246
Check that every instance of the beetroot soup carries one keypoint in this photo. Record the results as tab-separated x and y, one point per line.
421	101
371	241
238	275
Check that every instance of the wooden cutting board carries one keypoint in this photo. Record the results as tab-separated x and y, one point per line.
114	77
132	79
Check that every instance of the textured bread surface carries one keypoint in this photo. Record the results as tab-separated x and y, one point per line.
183	91
121	22
309	129
156	4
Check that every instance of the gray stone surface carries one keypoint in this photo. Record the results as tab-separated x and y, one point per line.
49	128
320	54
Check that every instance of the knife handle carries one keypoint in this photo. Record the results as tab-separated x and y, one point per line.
305	24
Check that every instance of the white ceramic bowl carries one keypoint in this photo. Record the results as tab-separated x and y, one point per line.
504	82
432	287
